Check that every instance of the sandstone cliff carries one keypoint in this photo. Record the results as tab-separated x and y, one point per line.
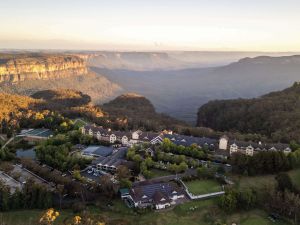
27	73
41	67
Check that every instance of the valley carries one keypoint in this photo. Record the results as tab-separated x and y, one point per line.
246	78
165	78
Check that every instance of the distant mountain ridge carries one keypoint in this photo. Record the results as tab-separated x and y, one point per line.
282	60
139	61
165	60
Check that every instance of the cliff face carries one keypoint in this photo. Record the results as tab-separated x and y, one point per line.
21	68
29	72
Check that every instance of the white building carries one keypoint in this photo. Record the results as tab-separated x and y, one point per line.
112	138
223	142
158	195
233	148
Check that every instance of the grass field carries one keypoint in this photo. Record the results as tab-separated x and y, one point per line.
265	180
257	181
198	187
159	173
191	213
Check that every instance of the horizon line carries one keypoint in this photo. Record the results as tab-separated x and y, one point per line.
142	50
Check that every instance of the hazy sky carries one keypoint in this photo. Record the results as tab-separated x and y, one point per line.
255	25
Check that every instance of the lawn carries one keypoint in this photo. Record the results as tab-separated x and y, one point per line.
159	173
198	187
264	180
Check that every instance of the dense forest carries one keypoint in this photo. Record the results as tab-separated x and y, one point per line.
275	115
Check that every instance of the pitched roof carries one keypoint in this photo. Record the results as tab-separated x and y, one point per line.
98	150
189	140
40	132
160	198
148	192
260	146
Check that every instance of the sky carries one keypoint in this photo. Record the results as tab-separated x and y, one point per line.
211	25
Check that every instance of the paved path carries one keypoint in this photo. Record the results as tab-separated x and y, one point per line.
10	140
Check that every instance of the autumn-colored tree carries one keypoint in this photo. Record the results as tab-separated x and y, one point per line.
49	217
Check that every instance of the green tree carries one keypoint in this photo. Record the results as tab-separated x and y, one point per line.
284	182
229	201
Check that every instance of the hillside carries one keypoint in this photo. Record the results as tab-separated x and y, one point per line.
127	111
63	97
26	73
245	78
14	105
135	111
70	103
276	115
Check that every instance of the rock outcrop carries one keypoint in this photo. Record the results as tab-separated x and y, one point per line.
40	67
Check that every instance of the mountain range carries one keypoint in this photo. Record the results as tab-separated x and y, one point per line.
167	60
175	82
179	93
